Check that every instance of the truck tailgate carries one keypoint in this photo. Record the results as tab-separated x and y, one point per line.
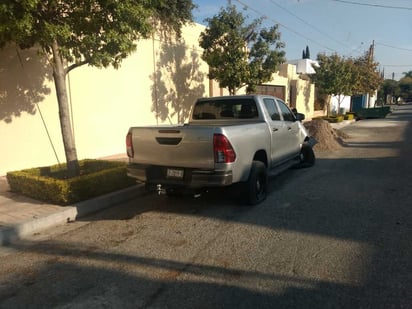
180	146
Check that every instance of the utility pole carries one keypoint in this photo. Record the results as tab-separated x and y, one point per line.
370	60
371	51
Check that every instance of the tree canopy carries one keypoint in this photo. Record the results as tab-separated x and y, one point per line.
390	88
238	53
367	79
71	33
306	53
333	75
337	75
405	87
95	32
393	89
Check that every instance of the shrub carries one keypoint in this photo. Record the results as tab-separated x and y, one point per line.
320	117
51	184
349	116
377	112
334	119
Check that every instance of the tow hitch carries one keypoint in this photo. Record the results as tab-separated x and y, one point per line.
160	190
171	191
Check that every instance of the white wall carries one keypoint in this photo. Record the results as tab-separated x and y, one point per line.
345	103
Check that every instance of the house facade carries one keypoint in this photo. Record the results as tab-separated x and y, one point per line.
156	85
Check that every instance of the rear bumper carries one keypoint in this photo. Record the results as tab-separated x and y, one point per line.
192	178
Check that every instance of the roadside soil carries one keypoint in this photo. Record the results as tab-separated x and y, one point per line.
329	139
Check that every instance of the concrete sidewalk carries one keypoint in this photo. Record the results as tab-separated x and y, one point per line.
21	216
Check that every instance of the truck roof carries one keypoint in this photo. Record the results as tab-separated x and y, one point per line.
231	97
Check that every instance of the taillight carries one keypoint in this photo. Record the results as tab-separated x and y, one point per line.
224	152
129	145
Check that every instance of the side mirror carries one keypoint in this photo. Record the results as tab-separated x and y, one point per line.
300	116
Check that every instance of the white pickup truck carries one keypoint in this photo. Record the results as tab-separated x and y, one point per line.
228	140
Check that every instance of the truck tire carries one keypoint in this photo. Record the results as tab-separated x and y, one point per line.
307	156
257	185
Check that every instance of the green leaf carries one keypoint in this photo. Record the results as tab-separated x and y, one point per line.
240	54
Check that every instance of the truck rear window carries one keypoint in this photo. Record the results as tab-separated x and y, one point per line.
225	109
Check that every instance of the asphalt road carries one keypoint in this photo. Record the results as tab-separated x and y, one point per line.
338	235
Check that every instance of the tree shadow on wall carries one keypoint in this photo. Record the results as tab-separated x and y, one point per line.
307	94
177	82
23	77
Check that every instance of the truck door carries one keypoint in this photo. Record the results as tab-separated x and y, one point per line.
292	130
279	132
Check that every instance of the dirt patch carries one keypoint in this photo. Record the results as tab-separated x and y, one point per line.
328	138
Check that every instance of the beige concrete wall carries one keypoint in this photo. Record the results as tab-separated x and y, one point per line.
156	85
305	90
305	98
286	77
25	91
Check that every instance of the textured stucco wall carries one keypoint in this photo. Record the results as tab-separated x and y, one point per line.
155	85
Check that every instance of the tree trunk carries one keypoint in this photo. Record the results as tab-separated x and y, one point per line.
328	99
59	75
340	100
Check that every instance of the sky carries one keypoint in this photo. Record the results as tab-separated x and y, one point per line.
345	27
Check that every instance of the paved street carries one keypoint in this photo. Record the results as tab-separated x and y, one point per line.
337	235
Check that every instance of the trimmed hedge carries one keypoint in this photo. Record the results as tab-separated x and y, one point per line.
375	112
349	116
338	118
333	119
51	184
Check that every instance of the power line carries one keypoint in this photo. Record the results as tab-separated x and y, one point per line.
246	6
307	23
355	50
284	26
375	5
396	65
394	47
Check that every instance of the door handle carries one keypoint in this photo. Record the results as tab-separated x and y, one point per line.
275	129
289	128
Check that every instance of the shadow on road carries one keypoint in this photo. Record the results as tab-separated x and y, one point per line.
59	283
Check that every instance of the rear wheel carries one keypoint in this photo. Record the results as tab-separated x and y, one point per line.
307	156
257	184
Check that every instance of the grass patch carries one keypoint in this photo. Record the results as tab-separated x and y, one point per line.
51	184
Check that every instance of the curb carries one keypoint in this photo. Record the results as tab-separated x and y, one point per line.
69	213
